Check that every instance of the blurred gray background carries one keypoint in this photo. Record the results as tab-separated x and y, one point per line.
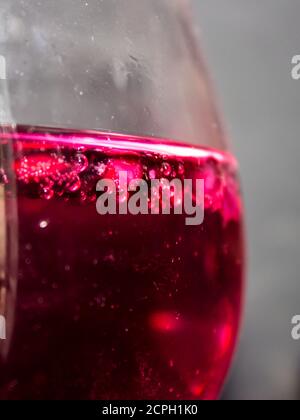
249	46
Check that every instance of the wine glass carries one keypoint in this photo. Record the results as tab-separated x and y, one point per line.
98	302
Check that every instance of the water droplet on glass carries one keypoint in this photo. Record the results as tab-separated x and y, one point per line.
80	162
180	169
166	169
43	224
74	185
83	196
47	193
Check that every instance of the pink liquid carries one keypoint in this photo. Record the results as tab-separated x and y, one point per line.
120	307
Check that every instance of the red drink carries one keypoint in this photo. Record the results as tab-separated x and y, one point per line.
120	306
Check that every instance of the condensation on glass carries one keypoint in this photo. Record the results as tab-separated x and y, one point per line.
128	66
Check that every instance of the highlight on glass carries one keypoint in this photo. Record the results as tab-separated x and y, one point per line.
113	306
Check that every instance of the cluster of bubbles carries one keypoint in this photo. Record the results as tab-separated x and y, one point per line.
75	173
48	175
